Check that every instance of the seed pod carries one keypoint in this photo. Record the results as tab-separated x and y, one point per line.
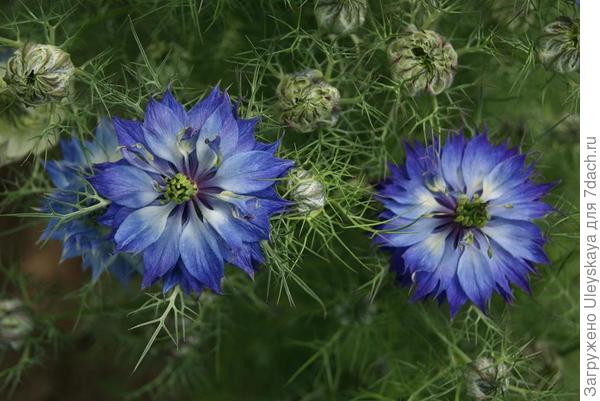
307	102
15	323
22	127
341	17
39	73
558	47
422	61
516	16
308	193
486	379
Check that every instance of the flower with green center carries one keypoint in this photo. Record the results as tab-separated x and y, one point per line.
558	47
422	61
471	213
307	101
195	190
180	188
341	16
39	73
458	218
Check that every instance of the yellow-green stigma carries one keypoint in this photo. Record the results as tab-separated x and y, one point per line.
471	213
180	188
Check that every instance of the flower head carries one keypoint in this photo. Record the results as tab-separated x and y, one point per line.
307	102
558	47
458	220
194	190
423	61
39	73
84	236
341	16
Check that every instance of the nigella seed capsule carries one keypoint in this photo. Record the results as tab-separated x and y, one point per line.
39	73
558	47
307	101
422	61
341	17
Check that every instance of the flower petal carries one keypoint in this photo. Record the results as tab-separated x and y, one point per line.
475	276
200	253
161	256
248	172
519	238
125	185
142	228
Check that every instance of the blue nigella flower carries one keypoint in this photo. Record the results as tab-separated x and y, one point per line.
194	190
84	236
458	220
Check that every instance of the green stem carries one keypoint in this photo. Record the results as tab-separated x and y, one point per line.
11	43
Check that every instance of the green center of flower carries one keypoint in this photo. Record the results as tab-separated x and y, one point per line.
471	213
180	188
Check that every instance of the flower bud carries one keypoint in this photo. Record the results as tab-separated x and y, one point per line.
423	61
558	47
308	193
22	128
39	73
486	379
340	16
15	323
514	16
307	102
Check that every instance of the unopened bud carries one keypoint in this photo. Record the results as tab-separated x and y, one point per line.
308	193
486	379
558	47
307	102
23	129
341	16
422	61
39	73
15	323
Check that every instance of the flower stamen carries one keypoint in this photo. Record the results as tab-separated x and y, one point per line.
180	188
471	213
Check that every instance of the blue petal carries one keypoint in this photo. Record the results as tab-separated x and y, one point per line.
125	185
142	228
200	253
404	233
427	254
505	176
475	276
161	256
479	158
244	173
198	114
162	131
128	132
520	238
246	136
176	107
451	159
